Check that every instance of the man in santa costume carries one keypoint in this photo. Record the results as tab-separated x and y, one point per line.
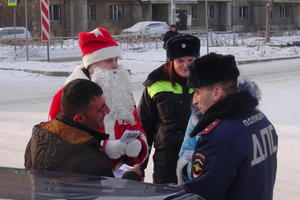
100	55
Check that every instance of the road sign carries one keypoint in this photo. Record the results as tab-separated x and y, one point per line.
45	20
12	2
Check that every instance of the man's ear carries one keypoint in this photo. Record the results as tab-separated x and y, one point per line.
218	94
79	118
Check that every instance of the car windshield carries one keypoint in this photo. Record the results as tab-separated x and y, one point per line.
155	25
11	31
138	25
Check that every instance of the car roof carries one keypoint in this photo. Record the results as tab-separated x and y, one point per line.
150	22
12	27
43	184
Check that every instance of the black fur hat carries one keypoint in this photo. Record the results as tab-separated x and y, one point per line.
183	45
212	68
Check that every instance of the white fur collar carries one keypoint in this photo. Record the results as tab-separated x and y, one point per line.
77	74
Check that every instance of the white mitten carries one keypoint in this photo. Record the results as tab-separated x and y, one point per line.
133	148
115	149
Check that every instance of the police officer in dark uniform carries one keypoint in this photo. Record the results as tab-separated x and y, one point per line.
171	33
235	159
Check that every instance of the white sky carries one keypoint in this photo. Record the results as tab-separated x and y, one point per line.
280	98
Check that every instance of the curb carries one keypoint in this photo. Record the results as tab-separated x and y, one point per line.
46	73
242	62
66	74
59	59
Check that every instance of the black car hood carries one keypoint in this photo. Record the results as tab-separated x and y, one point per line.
43	184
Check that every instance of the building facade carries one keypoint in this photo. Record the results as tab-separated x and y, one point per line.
69	17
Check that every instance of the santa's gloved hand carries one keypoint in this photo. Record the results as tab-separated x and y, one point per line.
115	149
133	148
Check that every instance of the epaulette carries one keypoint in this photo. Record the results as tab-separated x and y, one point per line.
210	127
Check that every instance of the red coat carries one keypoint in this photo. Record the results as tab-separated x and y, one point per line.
119	130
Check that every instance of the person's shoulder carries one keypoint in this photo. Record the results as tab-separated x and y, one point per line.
210	127
77	74
222	129
156	75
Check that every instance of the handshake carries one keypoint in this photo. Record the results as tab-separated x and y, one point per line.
127	145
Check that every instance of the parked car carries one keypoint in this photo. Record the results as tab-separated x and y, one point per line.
44	184
9	33
147	27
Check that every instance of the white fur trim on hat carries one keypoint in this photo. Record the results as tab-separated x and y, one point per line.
101	54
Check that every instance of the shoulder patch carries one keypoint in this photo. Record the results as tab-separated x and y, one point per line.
198	165
210	127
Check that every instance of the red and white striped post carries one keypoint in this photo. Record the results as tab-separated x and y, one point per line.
45	20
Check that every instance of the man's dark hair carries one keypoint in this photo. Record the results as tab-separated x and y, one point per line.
77	95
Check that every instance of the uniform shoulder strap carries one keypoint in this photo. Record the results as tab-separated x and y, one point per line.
210	127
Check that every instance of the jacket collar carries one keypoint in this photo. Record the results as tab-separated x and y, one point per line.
98	135
80	72
231	106
159	74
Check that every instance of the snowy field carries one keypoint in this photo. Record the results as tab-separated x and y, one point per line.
25	99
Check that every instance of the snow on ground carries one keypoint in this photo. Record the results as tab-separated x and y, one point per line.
20	108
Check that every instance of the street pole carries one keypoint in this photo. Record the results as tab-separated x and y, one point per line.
15	28
268	12
232	17
232	21
26	34
173	6
206	25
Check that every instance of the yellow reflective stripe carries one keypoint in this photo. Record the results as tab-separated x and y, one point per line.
165	86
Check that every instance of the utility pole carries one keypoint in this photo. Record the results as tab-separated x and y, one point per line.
26	34
206	24
173	7
268	24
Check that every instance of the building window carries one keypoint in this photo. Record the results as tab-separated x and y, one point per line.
211	11
244	12
116	12
55	13
283	12
92	12
194	11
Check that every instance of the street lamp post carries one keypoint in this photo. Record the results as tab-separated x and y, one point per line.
26	34
173	6
206	25
268	13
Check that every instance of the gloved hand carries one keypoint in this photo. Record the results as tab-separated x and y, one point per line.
181	163
133	148
115	149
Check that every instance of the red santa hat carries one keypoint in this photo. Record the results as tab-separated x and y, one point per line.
97	45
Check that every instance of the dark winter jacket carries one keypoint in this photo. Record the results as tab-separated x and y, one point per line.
164	111
67	146
168	35
236	156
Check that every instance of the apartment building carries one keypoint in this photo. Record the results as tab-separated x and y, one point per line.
69	17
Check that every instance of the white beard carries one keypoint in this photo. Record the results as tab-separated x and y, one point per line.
116	91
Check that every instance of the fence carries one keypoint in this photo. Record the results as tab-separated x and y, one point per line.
150	41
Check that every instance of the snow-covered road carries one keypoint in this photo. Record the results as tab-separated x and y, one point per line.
25	100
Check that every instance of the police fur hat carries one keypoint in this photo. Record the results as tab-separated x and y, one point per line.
212	68
183	45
